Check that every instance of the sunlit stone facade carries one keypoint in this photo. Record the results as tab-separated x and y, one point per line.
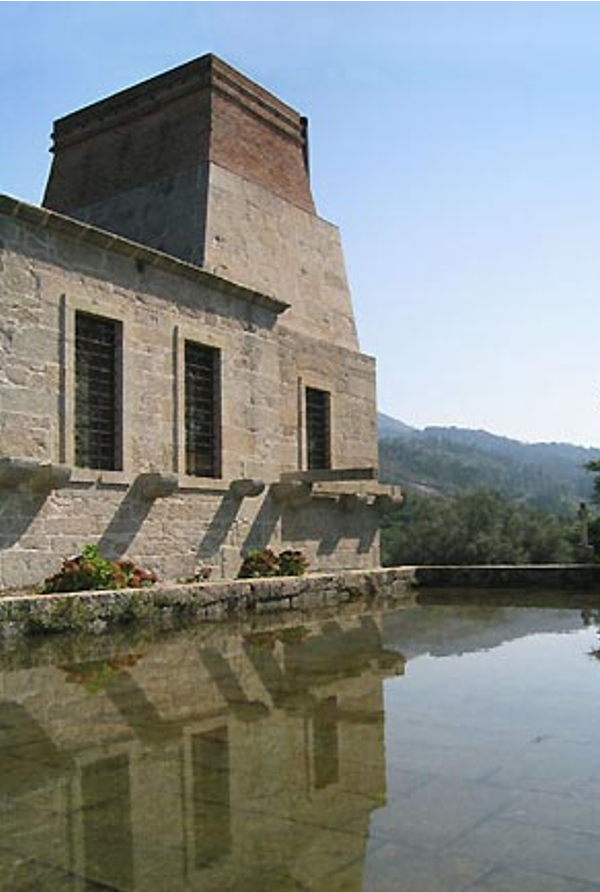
180	377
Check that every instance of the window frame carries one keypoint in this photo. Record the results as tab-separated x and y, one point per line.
216	423
205	337
327	463
69	306
116	433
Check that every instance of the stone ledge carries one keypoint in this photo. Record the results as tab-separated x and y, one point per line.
84	232
494	576
207	71
39	476
565	585
100	611
330	475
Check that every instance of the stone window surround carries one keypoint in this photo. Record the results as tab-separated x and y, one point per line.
318	426
198	333
317	382
189	331
100	408
69	306
202	397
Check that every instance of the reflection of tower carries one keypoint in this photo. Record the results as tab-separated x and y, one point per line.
215	761
314	764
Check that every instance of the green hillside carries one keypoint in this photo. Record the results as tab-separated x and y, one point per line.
448	461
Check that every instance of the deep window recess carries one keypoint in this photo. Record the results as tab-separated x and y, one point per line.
97	385
202	411
318	429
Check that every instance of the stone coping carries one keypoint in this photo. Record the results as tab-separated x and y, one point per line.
99	611
205	72
542	576
84	232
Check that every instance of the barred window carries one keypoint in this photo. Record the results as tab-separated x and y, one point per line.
318	429
97	392
202	410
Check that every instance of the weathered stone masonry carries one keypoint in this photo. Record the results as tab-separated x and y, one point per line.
180	212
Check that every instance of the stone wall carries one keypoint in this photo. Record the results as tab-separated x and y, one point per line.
470	582
52	267
207	174
164	605
573	587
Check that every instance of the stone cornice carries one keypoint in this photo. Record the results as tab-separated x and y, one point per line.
91	235
205	73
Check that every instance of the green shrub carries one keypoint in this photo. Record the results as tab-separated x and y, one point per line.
292	563
90	571
264	562
258	563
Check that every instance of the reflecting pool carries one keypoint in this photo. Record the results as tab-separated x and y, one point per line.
430	749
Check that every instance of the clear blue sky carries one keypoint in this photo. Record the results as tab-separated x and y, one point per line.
457	146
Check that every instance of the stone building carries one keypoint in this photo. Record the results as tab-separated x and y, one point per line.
180	376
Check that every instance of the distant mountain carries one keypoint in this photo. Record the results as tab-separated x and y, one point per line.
391	427
449	460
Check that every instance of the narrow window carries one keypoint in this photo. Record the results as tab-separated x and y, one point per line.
107	824
318	429
97	386
210	797
326	747
202	411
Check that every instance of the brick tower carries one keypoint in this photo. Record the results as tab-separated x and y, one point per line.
203	164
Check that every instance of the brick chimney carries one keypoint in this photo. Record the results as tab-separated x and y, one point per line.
207	166
137	163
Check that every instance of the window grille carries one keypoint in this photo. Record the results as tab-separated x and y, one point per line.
97	382
318	429
202	410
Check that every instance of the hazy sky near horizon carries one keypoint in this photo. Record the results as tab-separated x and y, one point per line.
457	146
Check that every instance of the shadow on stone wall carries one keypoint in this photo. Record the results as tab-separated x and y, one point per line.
126	523
260	535
18	510
368	534
219	528
328	527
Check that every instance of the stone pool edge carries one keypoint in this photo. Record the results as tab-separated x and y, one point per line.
99	611
584	577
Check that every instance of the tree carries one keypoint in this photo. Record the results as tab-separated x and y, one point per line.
479	527
594	468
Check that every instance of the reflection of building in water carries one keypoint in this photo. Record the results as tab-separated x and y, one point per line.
211	761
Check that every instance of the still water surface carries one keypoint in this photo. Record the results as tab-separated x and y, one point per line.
434	749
